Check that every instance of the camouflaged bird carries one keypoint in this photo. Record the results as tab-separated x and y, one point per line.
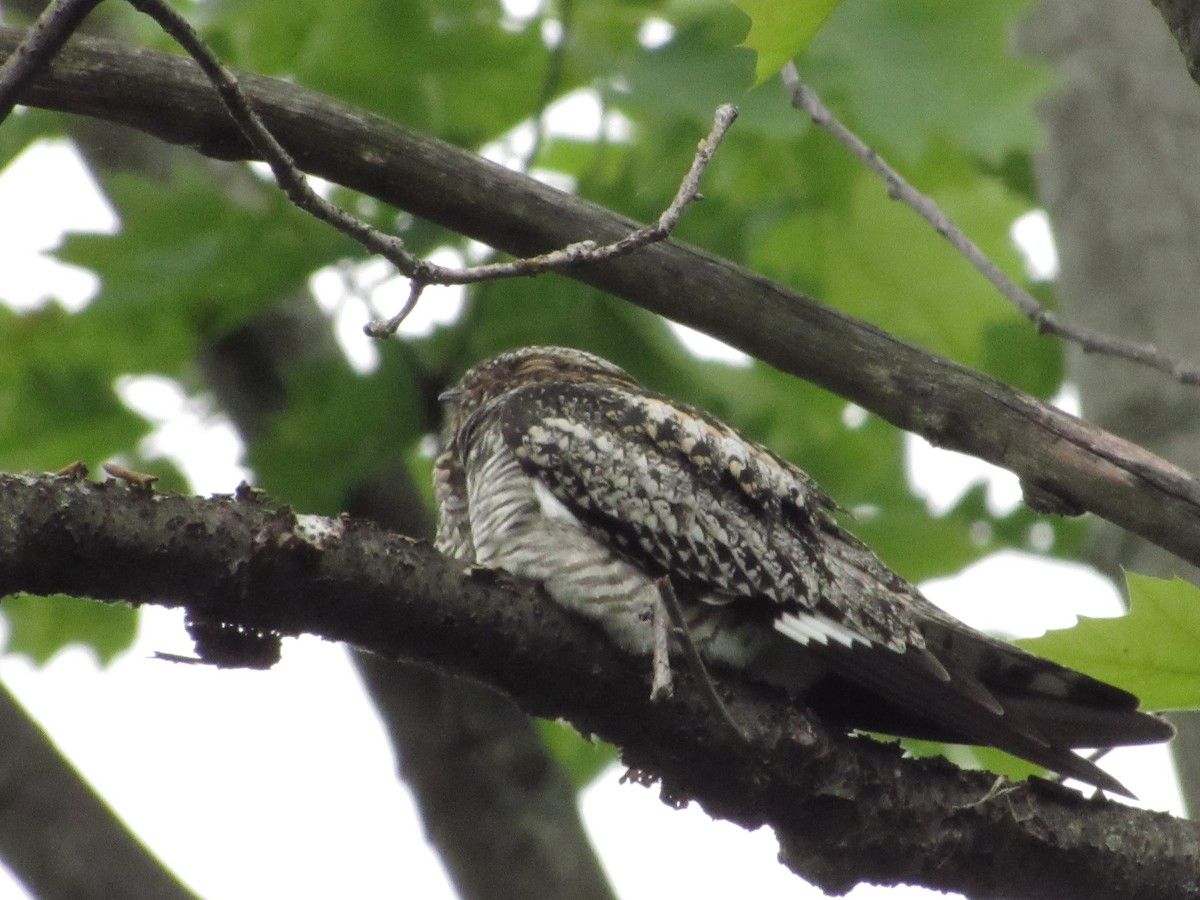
562	469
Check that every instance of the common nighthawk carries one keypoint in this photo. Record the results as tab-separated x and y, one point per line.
562	469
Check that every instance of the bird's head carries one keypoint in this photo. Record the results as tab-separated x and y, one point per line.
528	365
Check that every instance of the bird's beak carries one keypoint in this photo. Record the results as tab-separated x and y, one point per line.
451	396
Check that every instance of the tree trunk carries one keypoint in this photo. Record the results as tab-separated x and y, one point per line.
1120	181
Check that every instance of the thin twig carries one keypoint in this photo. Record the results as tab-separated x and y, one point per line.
661	684
1000	787
57	22
295	185
689	188
805	99
589	252
378	329
667	592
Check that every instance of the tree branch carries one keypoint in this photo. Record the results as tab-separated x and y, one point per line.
46	802
1183	19
845	810
1064	463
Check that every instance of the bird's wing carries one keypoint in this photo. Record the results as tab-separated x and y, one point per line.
679	493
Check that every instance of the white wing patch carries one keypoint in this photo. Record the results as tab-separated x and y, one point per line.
804	628
552	507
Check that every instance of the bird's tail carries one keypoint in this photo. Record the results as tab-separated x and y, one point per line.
968	688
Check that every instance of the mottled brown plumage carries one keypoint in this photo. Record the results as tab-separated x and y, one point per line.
561	468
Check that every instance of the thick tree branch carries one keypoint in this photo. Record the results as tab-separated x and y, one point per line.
46	802
1065	464
845	810
1183	19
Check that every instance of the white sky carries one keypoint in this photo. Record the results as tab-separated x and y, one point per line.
298	753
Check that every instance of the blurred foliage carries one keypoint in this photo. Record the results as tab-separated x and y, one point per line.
337	429
210	246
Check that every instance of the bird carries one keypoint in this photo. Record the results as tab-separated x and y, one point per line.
560	468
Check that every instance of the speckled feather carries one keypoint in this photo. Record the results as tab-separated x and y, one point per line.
562	469
684	495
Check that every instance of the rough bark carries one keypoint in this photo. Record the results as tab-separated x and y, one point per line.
1119	178
845	810
497	807
823	836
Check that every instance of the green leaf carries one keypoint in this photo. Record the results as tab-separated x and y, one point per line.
919	545
1151	651
966	756
905	73
41	626
892	269
1015	353
191	260
23	127
455	68
57	404
779	29
582	758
